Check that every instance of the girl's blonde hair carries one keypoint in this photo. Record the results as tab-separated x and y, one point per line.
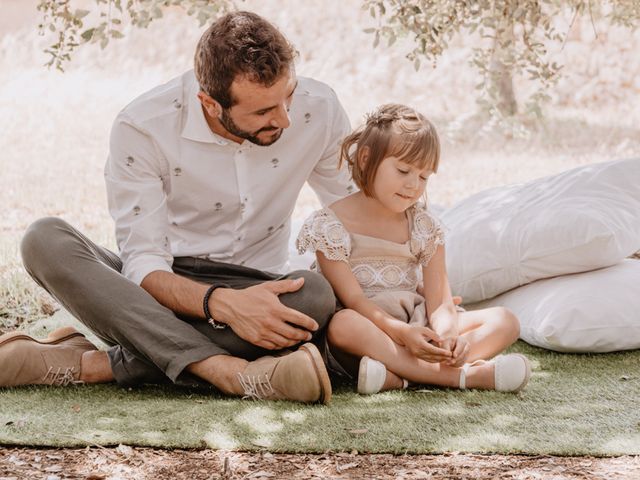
391	130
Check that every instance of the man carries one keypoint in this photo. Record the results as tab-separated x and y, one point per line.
202	177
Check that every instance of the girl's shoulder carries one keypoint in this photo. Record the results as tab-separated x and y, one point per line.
323	231
426	233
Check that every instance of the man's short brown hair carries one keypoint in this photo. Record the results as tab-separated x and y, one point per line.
240	43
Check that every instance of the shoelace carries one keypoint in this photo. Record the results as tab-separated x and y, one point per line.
255	387
61	377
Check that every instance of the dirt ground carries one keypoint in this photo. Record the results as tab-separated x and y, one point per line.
125	462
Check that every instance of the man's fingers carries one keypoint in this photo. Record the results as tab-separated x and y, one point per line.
290	333
457	300
297	319
267	344
285	286
281	342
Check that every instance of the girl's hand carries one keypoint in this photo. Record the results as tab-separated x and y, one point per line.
418	341
459	348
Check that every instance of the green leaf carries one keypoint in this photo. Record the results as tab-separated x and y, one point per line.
81	13
87	34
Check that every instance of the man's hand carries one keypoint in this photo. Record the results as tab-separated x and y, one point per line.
257	315
417	340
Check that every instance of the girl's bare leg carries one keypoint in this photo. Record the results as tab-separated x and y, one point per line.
488	331
351	332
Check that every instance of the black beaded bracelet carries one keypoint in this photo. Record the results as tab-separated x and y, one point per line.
205	307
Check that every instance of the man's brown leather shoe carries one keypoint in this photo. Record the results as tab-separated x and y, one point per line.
299	376
53	361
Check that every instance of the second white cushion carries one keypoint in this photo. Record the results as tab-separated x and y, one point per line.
596	311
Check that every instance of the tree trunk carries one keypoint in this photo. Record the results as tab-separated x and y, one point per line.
501	75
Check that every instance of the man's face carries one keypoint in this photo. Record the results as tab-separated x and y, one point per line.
260	113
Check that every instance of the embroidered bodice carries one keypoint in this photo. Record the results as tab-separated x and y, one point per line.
379	265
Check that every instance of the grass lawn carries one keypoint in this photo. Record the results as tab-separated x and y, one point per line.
573	405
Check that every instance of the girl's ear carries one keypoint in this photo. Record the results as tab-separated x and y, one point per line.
363	157
211	106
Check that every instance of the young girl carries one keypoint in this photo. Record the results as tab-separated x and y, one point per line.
371	245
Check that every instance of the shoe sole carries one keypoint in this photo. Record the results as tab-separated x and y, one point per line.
362	374
57	336
527	375
321	371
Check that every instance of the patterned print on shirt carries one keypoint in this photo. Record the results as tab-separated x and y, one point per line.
129	161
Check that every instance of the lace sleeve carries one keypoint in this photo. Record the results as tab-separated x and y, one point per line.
323	232
426	235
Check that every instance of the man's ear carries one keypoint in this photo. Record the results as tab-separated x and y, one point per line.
363	157
211	106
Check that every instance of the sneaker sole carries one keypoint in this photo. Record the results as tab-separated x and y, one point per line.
321	371
57	336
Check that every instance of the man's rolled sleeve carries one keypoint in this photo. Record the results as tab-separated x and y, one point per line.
135	176
329	182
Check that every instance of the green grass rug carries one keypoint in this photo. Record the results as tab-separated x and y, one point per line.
574	405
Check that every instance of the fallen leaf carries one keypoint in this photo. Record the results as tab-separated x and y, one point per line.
358	431
342	468
76	408
125	450
262	474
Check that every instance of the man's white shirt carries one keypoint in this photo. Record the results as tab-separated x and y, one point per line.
177	189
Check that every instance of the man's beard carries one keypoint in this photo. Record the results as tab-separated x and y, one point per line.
229	125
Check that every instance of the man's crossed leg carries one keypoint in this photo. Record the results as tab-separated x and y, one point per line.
150	343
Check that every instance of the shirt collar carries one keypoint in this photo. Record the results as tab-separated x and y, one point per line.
196	127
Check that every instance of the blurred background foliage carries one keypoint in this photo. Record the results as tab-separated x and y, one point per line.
514	38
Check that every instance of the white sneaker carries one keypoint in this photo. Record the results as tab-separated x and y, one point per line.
371	376
511	374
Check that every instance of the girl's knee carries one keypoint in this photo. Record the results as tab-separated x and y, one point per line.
508	322
342	326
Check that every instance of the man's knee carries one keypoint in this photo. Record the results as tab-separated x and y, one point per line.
316	298
39	243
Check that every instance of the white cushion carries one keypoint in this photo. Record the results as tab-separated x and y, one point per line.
596	311
578	220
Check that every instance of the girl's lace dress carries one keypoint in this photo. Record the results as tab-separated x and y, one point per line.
388	272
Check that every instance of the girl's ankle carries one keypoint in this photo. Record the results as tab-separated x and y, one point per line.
393	382
481	376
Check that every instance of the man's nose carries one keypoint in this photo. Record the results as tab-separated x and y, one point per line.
281	118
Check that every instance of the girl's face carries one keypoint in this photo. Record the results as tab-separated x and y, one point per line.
399	185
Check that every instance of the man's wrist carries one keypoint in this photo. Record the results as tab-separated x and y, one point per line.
211	301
